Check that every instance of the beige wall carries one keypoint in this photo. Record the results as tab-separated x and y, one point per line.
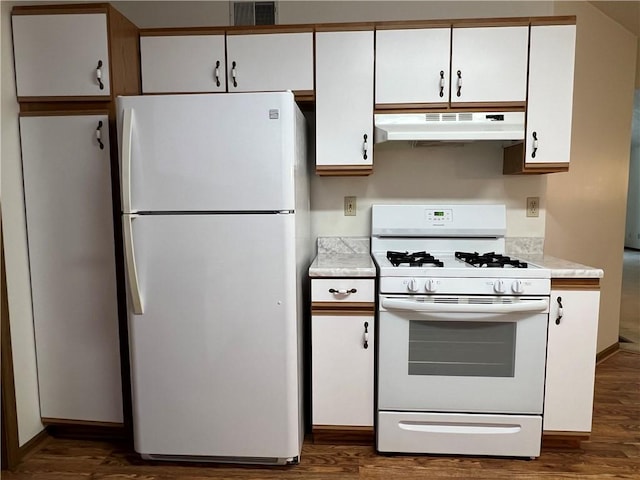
586	206
15	244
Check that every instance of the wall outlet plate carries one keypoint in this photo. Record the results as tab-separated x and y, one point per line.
350	206
533	206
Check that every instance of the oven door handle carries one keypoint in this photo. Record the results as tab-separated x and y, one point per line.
415	306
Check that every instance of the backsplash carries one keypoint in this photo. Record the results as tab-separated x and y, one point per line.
343	245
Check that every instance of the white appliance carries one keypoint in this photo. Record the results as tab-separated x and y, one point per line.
449	126
216	232
461	345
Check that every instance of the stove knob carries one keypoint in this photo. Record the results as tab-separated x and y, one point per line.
498	286
412	285
517	286
431	285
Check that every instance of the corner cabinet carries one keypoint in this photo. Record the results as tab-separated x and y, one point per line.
342	351
571	357
344	102
183	63
547	145
67	187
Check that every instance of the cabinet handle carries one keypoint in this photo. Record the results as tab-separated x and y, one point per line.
534	144
217	73
366	335
560	311
342	291
99	74
364	147
459	83
233	74
99	135
442	83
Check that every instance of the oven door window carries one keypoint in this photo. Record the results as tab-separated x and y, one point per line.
468	349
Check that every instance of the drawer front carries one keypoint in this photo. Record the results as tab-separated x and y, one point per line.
342	290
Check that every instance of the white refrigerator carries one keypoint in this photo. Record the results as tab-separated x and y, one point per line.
216	233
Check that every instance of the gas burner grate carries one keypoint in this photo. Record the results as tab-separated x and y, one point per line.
414	259
490	260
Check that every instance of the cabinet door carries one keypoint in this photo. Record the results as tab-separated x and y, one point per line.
344	100
58	55
270	62
178	64
342	370
550	103
412	66
571	355
67	186
489	64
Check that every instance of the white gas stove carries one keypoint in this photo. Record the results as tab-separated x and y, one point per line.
458	321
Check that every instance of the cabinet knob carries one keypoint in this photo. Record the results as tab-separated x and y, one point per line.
560	311
459	83
342	291
99	74
366	335
364	147
233	74
217	73
99	135
534	145
441	83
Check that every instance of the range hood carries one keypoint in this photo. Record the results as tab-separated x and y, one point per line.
449	126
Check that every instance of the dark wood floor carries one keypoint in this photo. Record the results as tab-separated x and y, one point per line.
612	452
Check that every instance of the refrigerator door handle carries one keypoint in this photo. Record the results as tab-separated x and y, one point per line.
130	261
127	137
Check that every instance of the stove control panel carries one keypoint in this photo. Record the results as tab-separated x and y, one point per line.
466	286
439	216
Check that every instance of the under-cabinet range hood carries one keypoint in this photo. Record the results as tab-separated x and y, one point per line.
449	126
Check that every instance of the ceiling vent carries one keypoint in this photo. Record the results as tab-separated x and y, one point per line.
253	13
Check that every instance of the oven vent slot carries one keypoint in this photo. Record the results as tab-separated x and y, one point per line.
481	301
448	300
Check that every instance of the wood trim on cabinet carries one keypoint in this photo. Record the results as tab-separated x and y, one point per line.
491	22
408	107
352	308
88	98
57	113
412	24
484	105
181	31
60	9
304	95
552	439
124	55
345	27
575	284
346	170
339	434
560	20
514	164
269	29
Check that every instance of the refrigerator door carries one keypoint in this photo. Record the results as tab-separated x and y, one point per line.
214	353
208	152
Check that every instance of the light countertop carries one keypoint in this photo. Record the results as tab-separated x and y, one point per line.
561	268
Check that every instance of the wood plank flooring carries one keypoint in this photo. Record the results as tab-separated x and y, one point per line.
612	452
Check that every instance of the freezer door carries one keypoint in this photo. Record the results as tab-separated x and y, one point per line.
214	353
208	152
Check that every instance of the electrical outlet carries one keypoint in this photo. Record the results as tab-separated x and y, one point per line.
533	206
350	206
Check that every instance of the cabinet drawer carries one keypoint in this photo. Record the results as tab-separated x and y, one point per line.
342	290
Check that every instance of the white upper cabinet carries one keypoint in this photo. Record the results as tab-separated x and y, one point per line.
183	63
61	55
489	64
412	66
270	62
344	102
550	103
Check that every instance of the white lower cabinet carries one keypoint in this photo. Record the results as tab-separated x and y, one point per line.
67	187
342	346
571	356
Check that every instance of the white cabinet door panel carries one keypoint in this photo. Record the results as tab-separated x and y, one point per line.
571	356
176	64
57	55
342	384
270	62
344	98
550	102
409	64
68	201
492	62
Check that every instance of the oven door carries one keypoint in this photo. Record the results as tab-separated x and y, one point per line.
462	354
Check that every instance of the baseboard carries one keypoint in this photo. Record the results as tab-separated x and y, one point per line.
85	430
32	445
563	439
607	352
330	434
